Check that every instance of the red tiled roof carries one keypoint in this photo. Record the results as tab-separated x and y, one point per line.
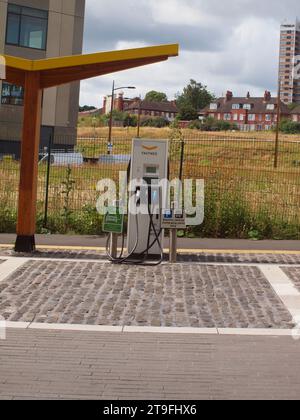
154	106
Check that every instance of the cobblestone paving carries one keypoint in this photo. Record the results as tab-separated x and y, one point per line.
201	257
183	295
294	274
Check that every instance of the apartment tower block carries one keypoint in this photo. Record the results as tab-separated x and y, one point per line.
289	65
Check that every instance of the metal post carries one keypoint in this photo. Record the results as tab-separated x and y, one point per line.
181	161
48	181
113	245
139	118
277	126
173	246
111	118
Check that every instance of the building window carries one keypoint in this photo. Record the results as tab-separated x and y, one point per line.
268	117
251	117
241	117
270	107
247	106
235	117
236	106
26	27
213	106
11	94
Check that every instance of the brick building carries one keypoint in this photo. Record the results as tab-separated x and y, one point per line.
120	103
295	114
167	110
249	114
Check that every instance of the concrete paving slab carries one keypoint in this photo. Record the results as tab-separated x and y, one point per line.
70	327
10	266
256	332
173	330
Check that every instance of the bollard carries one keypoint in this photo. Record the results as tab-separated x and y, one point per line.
173	246
113	246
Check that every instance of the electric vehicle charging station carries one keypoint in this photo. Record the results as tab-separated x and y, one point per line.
148	211
149	168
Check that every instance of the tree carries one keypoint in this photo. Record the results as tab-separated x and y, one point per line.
194	97
154	96
187	113
87	108
130	120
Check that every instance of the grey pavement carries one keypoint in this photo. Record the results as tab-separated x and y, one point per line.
184	243
203	290
78	365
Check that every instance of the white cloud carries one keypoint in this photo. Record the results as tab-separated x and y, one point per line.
233	44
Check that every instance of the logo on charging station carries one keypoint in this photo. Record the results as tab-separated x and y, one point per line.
2	328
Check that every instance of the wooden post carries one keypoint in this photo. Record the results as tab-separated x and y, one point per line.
29	164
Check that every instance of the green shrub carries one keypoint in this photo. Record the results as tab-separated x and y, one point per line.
289	127
155	122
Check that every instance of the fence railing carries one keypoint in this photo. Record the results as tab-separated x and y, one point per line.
238	172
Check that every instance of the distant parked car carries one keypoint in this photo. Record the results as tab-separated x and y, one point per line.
64	159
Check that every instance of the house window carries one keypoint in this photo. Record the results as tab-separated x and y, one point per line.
241	117
268	117
235	117
251	117
227	117
11	94
26	27
247	106
213	106
236	106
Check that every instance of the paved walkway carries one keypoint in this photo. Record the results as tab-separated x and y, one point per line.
219	291
82	365
183	243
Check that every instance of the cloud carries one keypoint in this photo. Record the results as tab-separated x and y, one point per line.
229	44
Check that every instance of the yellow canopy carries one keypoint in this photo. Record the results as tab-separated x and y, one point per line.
57	71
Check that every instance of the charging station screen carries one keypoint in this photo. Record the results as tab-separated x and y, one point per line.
151	170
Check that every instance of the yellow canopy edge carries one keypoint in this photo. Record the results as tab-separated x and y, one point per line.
171	50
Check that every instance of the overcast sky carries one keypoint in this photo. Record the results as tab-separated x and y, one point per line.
225	44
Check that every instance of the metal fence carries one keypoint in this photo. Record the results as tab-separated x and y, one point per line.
234	167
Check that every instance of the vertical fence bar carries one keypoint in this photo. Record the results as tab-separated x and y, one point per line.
181	160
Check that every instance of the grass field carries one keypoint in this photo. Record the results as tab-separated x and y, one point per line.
245	195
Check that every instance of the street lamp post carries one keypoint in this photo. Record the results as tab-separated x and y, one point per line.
139	117
94	122
114	89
